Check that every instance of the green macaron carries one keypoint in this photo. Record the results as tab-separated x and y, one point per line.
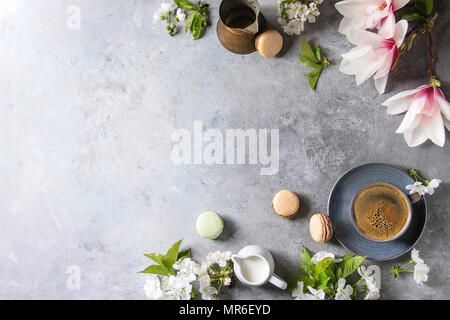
209	225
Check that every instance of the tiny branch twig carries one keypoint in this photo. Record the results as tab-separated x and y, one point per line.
429	29
430	55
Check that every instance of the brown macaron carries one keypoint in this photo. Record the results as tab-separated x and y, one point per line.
286	203
320	227
269	43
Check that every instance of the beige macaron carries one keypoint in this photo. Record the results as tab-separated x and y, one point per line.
269	43
285	203
320	227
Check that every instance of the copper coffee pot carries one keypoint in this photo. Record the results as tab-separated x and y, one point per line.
241	29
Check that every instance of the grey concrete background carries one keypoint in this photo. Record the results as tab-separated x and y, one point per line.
86	118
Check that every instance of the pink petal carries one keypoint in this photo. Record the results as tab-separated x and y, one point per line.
447	124
354	8
398	4
414	110
346	25
362	66
380	83
401	101
387	28
356	52
434	127
382	74
366	71
364	38
416	136
441	102
385	67
356	59
400	31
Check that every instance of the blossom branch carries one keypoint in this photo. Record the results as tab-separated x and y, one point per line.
426	27
429	25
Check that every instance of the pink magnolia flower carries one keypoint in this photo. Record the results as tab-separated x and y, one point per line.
373	55
367	14
423	119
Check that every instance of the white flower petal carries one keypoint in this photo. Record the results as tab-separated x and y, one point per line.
353	8
364	38
400	102
421	273
415	256
447	124
380	83
434	183
356	53
434	128
387	28
411	114
415	135
398	4
440	101
400	31
348	24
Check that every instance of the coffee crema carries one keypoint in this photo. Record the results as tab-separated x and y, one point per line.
380	211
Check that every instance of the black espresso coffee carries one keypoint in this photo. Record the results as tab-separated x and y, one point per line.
380	211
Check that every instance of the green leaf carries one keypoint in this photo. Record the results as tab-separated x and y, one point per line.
292	282
347	257
339	273
321	266
323	279
313	77
197	26
424	7
155	269
185	4
189	21
172	254
413	17
429	6
305	258
351	265
161	260
307	51
184	254
340	266
314	72
419	5
317	53
157	257
331	272
308	62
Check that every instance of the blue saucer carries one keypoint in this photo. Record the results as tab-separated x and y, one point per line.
339	210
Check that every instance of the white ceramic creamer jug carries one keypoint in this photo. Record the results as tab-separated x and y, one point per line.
254	266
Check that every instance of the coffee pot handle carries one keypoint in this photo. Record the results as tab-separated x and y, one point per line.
277	281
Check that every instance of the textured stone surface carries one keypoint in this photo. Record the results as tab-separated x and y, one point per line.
86	118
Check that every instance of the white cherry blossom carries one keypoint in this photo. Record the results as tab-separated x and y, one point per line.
417	187
433	184
181	15
421	273
343	292
152	287
319	256
415	256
